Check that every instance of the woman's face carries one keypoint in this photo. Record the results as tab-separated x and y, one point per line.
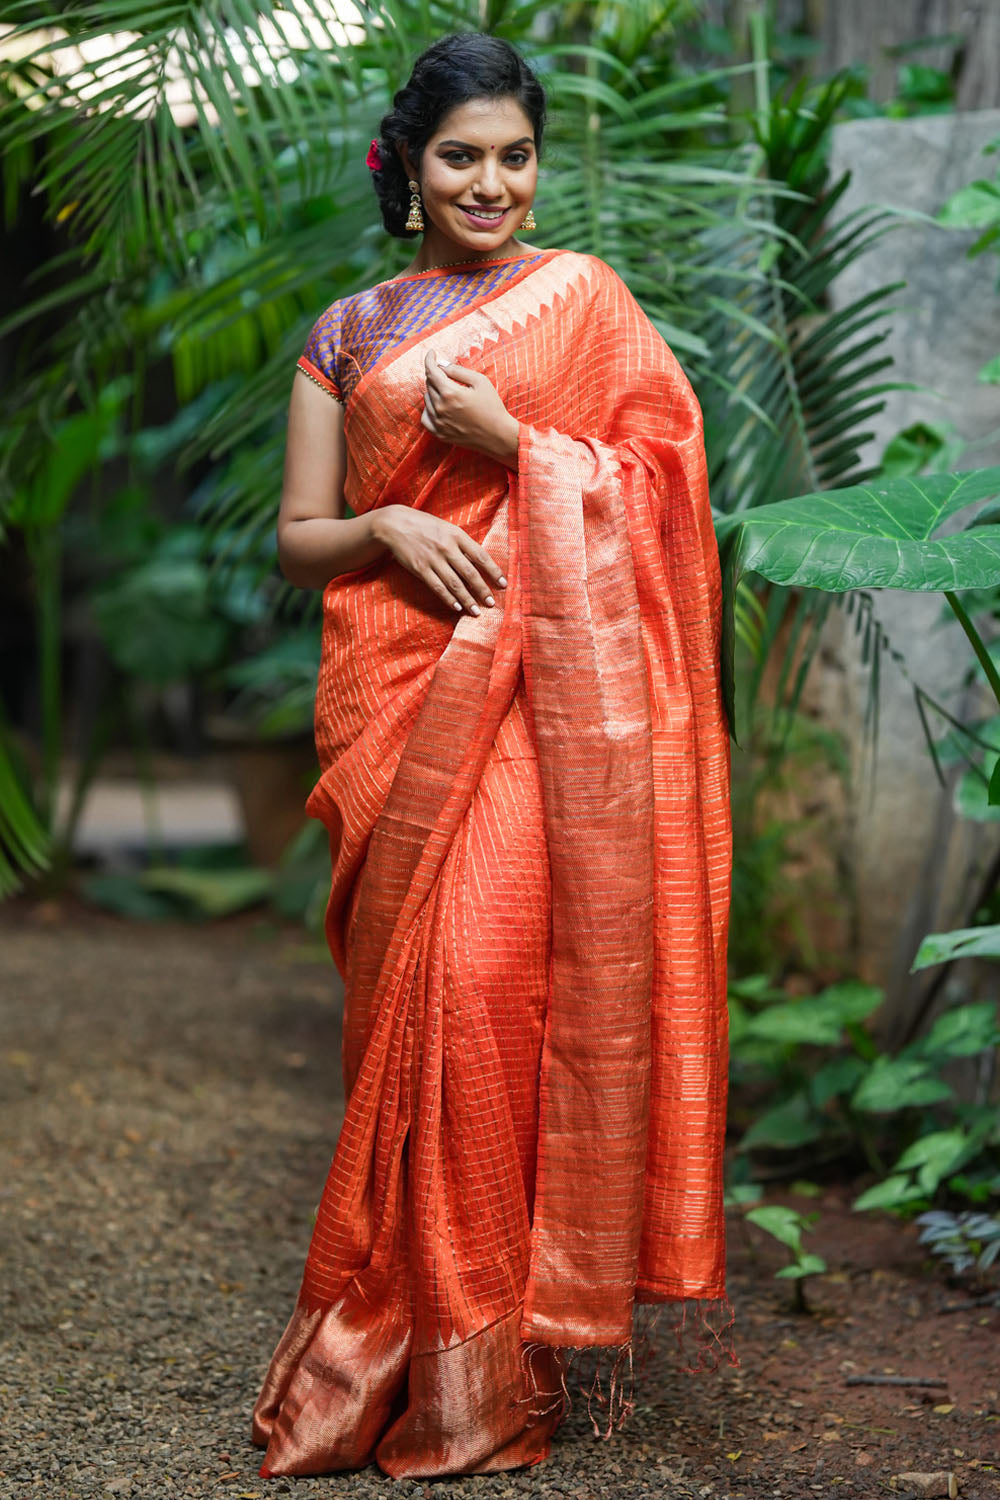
478	173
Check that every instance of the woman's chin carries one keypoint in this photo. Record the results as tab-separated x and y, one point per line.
473	245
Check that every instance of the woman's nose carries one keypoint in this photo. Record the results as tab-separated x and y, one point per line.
488	178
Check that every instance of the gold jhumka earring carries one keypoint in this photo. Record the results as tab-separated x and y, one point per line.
416	218
528	221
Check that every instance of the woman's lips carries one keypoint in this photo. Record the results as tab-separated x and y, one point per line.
481	221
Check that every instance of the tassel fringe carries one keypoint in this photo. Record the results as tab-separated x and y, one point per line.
609	1385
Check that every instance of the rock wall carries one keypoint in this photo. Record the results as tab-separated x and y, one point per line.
914	867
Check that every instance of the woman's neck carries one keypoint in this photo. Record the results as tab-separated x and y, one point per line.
439	250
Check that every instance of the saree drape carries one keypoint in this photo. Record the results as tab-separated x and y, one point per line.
529	827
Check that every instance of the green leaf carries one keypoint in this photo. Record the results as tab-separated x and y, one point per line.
974	206
935	1155
891	1193
75	445
964	942
789	1124
158	621
783	1223
798	1021
961	1032
972	792
893	1083
216	893
879	535
851	1000
911	450
990	373
126	895
808	1265
818	1019
993	790
838	1076
743	1192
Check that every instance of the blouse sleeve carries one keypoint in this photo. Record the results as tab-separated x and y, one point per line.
319	358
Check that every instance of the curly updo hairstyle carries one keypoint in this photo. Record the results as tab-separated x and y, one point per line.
453	70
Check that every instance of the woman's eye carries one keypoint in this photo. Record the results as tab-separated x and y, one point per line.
515	159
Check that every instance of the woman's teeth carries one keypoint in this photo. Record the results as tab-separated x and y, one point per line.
484	215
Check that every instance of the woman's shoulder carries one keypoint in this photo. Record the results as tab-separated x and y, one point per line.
597	272
333	315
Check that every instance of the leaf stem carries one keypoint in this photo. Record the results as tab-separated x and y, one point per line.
758	52
978	644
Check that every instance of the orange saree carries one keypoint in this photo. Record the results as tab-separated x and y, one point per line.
529	825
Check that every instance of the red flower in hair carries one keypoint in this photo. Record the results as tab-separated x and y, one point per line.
373	161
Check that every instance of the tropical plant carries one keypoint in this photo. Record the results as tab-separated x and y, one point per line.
787	1226
883	534
977	206
207	177
968	1241
836	1096
29	835
205	166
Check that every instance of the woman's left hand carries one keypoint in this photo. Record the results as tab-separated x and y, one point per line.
463	406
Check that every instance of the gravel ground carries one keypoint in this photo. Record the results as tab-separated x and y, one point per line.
170	1102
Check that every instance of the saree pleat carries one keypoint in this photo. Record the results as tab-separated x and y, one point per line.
529	827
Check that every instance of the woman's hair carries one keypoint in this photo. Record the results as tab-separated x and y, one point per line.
453	70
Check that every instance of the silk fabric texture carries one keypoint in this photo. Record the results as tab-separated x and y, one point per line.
530	833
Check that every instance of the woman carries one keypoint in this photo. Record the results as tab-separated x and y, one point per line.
524	773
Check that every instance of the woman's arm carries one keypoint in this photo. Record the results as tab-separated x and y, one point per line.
315	540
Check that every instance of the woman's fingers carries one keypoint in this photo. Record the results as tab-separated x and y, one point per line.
441	589
435	376
474	581
458	569
458	585
482	559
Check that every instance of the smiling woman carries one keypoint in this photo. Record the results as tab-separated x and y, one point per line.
524	765
477	183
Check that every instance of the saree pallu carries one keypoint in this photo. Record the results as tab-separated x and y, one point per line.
530	833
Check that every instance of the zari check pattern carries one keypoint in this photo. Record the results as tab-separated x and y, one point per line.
529	823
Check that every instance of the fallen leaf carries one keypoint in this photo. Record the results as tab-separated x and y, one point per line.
945	1408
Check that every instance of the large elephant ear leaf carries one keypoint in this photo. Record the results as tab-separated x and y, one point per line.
878	535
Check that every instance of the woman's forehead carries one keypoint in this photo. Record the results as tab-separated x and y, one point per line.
486	122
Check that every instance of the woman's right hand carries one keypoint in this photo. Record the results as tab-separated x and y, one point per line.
456	568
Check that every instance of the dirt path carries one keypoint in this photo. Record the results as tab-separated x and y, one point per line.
169	1103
